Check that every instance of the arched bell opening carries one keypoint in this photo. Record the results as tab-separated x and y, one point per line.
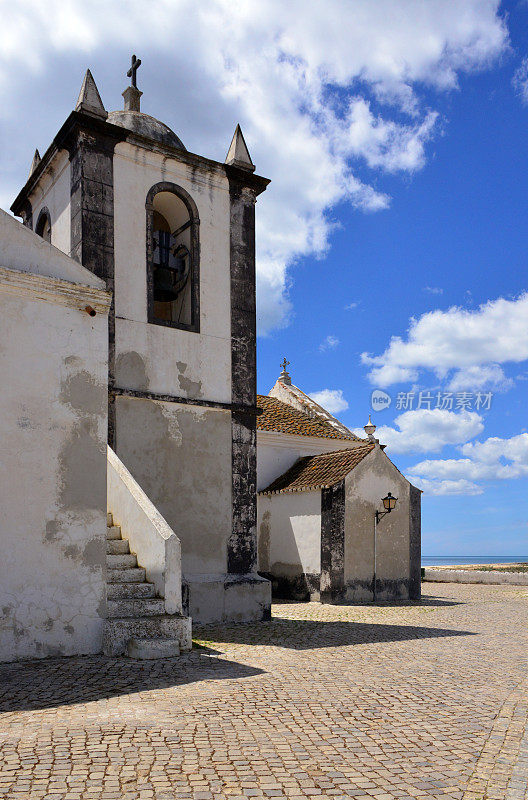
172	258
43	226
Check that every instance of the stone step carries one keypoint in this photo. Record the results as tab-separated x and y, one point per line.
153	648
109	519
122	561
149	607
136	591
113	532
118	632
117	547
134	575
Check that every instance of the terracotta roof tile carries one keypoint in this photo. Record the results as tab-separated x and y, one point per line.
282	418
319	472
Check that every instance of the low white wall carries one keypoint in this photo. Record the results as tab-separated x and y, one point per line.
475	576
156	545
21	249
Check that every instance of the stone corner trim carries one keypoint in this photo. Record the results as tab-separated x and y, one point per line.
54	290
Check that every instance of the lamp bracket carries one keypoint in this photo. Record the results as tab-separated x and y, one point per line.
380	514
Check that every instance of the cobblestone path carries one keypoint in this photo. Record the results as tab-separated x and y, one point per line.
423	701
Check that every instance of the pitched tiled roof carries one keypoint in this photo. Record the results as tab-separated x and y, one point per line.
282	418
319	472
293	396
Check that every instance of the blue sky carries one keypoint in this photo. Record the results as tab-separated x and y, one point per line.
458	227
395	135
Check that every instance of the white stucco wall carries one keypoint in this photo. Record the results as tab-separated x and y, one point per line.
53	191
194	365
181	457
53	419
365	487
277	452
289	531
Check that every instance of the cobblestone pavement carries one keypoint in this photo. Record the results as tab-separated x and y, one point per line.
423	701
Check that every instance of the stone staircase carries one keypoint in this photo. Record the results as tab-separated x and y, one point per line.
136	622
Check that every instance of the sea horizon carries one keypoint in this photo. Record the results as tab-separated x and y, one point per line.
438	561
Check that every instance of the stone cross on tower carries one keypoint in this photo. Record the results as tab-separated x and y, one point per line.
132	94
134	66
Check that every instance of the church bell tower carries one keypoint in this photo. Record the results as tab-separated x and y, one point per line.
173	235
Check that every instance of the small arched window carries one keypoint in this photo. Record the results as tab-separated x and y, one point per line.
43	226
172	258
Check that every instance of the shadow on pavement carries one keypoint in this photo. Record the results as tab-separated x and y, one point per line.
52	682
299	634
431	600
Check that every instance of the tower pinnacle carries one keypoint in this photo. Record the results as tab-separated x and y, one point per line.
238	153
89	100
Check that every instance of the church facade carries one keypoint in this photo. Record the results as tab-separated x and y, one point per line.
131	423
171	236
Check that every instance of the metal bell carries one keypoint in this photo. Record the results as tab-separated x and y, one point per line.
164	290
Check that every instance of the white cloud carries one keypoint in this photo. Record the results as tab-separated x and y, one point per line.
383	143
433	290
459	339
428	431
351	306
493	459
490	451
448	487
520	80
330	399
489	376
305	107
330	343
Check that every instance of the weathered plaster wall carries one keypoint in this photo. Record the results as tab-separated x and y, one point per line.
167	361
277	452
364	488
289	538
181	457
53	192
176	362
52	472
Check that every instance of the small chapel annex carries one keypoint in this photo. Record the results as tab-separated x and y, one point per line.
319	487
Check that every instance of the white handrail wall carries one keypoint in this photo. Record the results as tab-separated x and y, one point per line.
156	545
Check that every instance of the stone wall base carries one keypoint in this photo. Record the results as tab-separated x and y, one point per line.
386	590
228	598
302	587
